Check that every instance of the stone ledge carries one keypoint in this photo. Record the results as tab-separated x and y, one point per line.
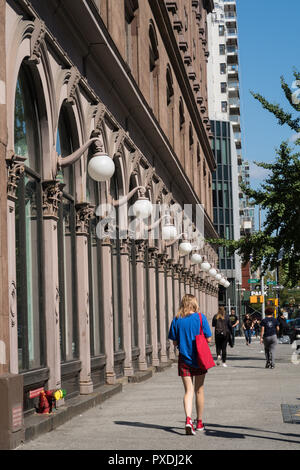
37	424
140	376
163	365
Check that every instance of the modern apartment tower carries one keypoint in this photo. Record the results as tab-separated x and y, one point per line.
224	113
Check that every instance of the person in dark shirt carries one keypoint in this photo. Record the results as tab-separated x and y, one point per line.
247	327
234	324
269	328
282	324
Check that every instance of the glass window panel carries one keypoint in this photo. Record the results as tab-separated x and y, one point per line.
26	135
224	152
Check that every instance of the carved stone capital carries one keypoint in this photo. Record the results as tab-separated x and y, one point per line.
52	196
84	213
15	169
140	251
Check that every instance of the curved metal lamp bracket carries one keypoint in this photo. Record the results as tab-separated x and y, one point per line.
70	159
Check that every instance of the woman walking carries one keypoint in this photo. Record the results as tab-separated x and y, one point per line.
183	331
223	329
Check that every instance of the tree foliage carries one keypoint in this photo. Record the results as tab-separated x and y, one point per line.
279	195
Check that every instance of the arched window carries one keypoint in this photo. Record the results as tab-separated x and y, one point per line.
29	234
95	275
133	289
66	232
154	69
116	268
170	105
131	35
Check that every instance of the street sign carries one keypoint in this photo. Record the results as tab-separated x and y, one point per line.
253	281
271	283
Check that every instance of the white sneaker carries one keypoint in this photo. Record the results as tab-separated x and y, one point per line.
218	360
224	365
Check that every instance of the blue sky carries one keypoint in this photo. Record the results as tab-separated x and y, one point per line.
268	44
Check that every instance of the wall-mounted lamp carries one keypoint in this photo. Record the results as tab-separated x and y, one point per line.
100	168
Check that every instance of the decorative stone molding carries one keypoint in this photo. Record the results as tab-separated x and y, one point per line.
37	38
140	252
13	304
84	213
152	257
162	261
52	196
73	82
16	169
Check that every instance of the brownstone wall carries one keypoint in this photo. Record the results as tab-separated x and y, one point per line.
186	24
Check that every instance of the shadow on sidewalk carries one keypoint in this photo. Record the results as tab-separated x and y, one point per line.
243	435
149	426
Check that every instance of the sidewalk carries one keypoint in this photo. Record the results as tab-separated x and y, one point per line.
246	407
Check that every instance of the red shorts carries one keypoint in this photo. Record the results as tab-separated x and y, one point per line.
185	370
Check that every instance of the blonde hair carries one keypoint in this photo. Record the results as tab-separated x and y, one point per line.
221	313
188	305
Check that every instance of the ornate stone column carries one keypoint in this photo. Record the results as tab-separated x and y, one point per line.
170	303
52	195
15	170
153	305
126	312
106	268
162	306
140	287
83	214
176	288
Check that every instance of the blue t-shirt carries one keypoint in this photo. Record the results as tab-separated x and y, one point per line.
184	330
270	324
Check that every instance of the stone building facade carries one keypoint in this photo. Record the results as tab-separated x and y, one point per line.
130	77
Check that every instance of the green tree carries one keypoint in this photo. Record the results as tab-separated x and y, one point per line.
279	196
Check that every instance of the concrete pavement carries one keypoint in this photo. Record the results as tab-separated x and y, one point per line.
245	408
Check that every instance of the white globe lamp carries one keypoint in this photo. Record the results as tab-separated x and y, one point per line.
218	277
142	208
185	248
205	266
101	167
212	272
227	284
196	258
169	232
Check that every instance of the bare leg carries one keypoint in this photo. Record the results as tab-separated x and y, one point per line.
199	391
188	395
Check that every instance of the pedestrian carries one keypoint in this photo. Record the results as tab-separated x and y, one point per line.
183	331
223	330
282	324
269	329
256	326
234	324
247	327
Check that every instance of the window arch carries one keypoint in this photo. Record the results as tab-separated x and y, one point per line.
29	228
131	35
116	192
170	104
154	69
66	143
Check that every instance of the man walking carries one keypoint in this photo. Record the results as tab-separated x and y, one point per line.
234	323
269	329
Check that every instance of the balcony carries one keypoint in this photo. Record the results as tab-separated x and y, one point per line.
232	55
234	106
233	89
236	123
231	33
233	72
